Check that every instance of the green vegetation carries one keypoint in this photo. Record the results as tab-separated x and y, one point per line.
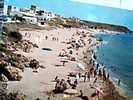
4	95
111	27
72	22
3	48
14	96
13	35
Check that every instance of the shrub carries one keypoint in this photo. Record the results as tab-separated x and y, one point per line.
15	35
13	96
3	48
12	32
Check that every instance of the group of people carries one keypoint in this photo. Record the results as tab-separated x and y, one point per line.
62	85
98	70
53	38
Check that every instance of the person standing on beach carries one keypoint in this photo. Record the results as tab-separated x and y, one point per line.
74	85
88	76
93	63
63	63
76	82
56	78
81	94
104	74
95	73
46	37
119	81
90	62
95	81
69	80
100	73
97	66
91	70
79	74
108	76
57	87
85	77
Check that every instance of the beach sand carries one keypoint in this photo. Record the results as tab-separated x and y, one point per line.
35	85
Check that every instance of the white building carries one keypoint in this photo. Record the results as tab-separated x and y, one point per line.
46	16
31	20
1	15
32	15
11	10
25	13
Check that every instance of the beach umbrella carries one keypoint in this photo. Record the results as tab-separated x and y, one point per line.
71	91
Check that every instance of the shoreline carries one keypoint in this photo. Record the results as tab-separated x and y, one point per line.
119	89
50	59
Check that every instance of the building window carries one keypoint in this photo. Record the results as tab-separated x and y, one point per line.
1	5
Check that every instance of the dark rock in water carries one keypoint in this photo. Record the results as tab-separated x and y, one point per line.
34	64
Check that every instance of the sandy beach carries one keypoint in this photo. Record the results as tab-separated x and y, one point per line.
36	84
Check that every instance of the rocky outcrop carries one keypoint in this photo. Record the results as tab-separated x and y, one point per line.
8	72
12	73
23	45
11	63
3	78
34	64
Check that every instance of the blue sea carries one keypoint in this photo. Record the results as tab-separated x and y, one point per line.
117	55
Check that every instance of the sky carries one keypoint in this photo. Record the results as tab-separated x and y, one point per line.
124	4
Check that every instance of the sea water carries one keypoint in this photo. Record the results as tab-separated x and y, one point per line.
117	56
